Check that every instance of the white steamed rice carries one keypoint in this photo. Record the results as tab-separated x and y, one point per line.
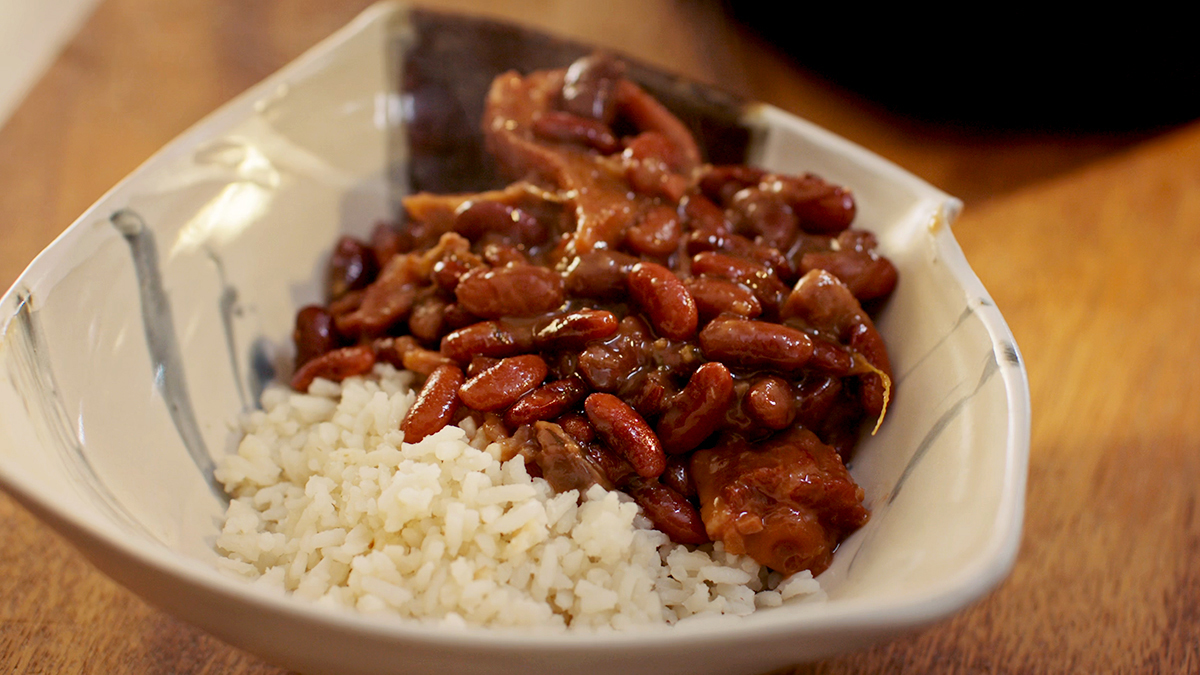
331	505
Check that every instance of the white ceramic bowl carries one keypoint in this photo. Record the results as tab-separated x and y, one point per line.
128	350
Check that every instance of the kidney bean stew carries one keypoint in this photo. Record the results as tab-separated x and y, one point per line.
627	315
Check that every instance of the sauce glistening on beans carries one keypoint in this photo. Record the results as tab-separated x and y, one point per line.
627	315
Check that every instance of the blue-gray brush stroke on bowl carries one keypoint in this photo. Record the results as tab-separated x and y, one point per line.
32	373
159	325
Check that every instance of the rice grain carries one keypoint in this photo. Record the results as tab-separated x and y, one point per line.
330	504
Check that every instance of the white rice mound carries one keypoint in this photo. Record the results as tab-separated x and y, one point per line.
330	504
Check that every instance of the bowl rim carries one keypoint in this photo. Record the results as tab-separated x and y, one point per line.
905	611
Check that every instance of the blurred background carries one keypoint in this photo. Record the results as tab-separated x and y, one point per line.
1036	95
31	35
997	70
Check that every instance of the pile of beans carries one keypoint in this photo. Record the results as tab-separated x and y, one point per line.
622	307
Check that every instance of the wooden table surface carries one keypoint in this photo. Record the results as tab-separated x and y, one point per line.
1087	244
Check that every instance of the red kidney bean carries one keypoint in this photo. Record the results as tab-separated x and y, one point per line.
476	218
656	233
519	290
765	217
678	475
482	218
314	334
721	183
650	159
387	241
704	216
626	433
821	208
501	385
496	339
701	241
578	425
814	398
831	358
589	87
599	274
856	240
546	402
424	361
671	512
756	344
715	296
741	247
351	267
574	330
738	247
665	299
726	266
435	405
479	364
427	319
456	317
807	243
532	229
865	340
696	412
448	270
760	279
867	275
564	127
499	254
769	402
336	365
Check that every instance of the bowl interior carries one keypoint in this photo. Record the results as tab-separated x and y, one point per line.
133	342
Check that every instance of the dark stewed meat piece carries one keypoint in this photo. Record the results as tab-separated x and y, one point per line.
786	502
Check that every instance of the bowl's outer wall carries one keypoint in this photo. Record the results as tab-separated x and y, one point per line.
242	210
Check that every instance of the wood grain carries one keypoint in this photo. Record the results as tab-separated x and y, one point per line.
1095	273
1086	243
